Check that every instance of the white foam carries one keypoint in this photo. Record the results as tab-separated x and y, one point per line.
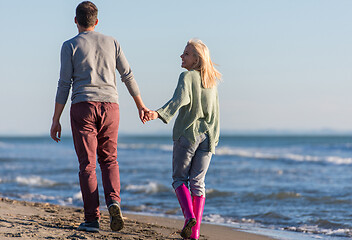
149	188
38	197
209	190
214	218
35	181
316	230
339	160
137	146
167	148
77	197
218	219
281	154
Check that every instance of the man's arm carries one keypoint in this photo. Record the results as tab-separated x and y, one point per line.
63	89
142	109
127	77
55	131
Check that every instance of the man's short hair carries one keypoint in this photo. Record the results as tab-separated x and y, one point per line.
86	14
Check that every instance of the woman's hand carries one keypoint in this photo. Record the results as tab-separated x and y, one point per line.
151	115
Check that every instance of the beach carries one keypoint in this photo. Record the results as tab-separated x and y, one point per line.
285	187
29	220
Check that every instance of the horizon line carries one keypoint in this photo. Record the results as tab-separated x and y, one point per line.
225	132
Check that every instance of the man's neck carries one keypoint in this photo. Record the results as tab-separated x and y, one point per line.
81	29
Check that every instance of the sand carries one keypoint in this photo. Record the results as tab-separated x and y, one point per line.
27	220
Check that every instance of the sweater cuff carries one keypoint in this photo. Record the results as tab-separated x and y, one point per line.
163	115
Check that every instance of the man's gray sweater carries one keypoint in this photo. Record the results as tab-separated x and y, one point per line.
88	63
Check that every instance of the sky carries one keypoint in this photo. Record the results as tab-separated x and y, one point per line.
286	65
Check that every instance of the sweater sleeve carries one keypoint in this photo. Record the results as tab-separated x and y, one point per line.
66	72
180	98
125	72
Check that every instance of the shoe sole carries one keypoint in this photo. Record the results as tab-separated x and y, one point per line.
187	230
88	229
116	220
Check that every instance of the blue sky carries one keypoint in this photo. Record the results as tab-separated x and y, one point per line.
286	65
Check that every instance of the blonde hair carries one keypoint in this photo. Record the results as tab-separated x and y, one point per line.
204	64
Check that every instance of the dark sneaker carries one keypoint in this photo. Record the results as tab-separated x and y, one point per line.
187	229
89	226
116	220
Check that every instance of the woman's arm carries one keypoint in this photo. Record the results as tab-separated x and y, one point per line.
180	98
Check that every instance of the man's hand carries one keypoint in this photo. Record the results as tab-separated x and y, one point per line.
55	131
142	109
151	115
142	114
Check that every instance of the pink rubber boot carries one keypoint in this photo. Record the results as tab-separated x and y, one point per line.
198	207
185	200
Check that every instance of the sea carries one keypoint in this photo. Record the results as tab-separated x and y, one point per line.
287	187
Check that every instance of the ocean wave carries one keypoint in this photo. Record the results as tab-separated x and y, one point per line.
272	196
284	195
251	153
139	146
4	145
327	200
7	160
35	181
75	200
38	197
218	219
148	188
213	193
269	215
140	208
316	229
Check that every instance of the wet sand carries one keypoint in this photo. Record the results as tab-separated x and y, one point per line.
27	220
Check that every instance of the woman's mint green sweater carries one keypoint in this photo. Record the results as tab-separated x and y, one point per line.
198	109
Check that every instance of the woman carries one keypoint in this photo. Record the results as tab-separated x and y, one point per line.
195	133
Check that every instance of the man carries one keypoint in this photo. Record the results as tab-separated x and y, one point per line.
88	64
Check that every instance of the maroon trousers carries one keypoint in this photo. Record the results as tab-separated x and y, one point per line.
95	130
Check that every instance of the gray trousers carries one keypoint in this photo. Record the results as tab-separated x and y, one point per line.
190	163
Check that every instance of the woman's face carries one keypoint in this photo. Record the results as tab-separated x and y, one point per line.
188	58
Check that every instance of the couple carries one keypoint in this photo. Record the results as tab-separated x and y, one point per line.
88	64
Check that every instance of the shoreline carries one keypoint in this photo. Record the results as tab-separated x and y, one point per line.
30	220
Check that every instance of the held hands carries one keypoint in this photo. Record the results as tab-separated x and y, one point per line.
142	111
150	115
147	115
